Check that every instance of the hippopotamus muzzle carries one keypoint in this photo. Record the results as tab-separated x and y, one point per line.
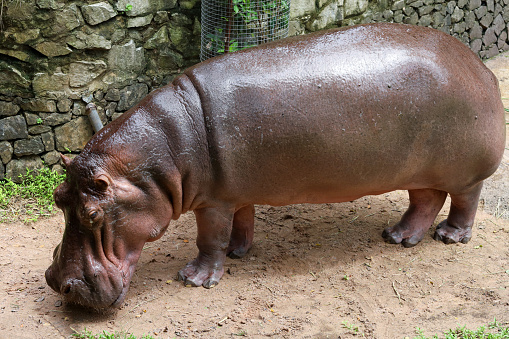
99	291
87	279
89	284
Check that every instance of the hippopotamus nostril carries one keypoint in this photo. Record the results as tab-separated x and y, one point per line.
68	286
66	289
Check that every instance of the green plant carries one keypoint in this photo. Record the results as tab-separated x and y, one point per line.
30	199
124	10
39	121
86	334
351	327
494	330
247	23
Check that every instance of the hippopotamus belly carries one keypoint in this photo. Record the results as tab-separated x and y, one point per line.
327	117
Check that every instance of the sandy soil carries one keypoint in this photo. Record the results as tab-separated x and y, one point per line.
315	271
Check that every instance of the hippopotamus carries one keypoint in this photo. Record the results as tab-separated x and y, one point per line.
327	117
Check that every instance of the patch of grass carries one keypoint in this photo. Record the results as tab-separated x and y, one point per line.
31	199
352	328
494	330
86	334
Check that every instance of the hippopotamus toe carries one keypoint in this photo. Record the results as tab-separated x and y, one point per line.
391	237
411	242
450	234
237	253
210	283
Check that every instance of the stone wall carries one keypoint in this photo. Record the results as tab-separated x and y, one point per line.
56	56
480	24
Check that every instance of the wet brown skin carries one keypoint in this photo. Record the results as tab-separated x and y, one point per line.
327	117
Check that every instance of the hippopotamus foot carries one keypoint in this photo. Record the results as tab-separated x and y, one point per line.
458	225
424	207
196	273
405	236
449	234
241	238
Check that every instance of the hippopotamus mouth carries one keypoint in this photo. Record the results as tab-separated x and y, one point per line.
120	298
125	287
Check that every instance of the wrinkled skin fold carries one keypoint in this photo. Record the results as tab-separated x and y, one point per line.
328	117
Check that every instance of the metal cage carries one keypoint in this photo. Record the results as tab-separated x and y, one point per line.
232	25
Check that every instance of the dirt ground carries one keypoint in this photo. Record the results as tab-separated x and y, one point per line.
315	271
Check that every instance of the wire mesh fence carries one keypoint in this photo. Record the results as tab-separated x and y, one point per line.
232	25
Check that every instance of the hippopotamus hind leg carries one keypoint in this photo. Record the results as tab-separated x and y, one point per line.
458	225
424	207
242	232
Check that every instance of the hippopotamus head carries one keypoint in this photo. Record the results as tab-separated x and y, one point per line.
109	215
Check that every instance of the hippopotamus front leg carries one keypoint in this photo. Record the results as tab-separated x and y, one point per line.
242	232
214	230
221	231
458	225
424	207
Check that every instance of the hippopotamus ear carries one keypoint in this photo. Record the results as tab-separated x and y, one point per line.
102	182
66	160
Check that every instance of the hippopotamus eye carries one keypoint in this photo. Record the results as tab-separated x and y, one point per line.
93	214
